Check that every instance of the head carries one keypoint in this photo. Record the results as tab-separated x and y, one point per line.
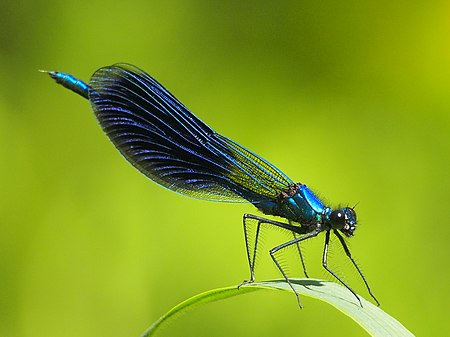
343	219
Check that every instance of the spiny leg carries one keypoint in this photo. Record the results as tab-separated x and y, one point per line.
251	253
285	245
301	255
349	255
325	265
251	257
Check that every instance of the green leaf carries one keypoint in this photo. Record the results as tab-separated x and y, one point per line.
370	317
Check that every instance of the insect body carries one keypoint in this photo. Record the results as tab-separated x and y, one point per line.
166	142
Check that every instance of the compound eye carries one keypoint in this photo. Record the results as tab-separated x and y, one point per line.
337	219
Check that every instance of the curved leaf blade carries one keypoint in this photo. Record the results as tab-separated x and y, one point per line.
370	317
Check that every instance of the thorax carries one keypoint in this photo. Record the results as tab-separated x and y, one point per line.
298	204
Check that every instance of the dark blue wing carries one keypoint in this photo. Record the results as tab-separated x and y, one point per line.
170	145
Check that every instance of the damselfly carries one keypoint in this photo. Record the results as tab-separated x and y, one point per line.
159	136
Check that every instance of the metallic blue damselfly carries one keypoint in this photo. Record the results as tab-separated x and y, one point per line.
166	142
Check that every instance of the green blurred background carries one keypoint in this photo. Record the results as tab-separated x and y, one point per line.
351	98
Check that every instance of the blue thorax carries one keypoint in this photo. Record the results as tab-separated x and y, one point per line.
299	204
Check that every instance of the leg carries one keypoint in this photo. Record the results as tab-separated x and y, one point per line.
251	256
349	255
301	255
251	251
287	244
325	265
